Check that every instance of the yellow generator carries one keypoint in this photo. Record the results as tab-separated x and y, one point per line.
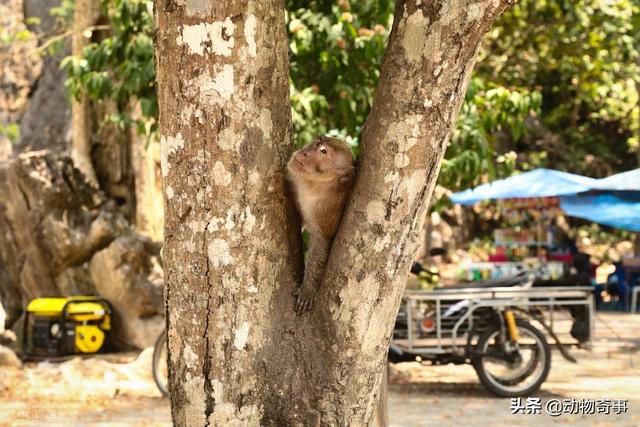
55	327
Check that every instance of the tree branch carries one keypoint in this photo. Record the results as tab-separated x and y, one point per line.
428	62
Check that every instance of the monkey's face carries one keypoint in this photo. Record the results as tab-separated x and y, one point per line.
324	160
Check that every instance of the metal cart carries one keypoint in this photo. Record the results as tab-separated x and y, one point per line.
492	328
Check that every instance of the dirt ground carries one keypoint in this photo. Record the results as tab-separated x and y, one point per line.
118	390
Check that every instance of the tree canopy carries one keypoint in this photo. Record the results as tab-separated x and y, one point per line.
557	81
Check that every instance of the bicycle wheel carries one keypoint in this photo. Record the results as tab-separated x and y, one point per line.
160	366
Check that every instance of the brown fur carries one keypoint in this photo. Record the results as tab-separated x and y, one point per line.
321	174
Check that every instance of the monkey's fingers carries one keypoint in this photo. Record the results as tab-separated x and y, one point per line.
302	305
306	305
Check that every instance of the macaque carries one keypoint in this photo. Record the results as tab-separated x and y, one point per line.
321	174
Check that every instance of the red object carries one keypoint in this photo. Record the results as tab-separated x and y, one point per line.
428	325
568	258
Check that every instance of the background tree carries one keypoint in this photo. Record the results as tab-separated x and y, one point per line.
238	354
86	13
583	58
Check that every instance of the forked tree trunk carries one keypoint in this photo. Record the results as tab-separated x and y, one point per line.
238	354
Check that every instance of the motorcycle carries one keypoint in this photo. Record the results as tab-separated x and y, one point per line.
510	355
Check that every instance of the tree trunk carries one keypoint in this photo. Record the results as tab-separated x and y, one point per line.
85	15
238	355
230	266
148	193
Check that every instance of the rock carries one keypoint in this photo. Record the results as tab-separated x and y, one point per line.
46	123
8	358
19	71
76	281
41	9
69	241
8	338
51	220
128	274
3	318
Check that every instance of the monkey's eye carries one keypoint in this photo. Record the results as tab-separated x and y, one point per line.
323	150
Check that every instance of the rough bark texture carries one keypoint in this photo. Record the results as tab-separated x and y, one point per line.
238	355
86	14
225	124
145	162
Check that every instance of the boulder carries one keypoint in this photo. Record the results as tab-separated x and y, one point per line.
46	122
20	69
52	221
8	358
129	275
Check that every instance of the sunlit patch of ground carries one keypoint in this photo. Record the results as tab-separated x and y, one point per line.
118	390
104	390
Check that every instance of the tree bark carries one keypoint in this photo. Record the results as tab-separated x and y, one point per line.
238	355
148	187
231	258
85	15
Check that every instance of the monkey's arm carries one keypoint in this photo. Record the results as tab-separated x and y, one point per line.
313	271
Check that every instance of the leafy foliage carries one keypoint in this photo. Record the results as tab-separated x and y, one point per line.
557	81
336	51
120	67
584	57
489	113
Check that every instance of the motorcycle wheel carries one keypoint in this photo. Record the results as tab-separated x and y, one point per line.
519	378
160	368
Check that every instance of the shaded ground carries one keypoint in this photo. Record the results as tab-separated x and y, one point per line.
118	390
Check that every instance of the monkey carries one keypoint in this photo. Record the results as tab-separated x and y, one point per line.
321	174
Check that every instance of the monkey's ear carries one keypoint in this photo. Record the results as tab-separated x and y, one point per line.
346	174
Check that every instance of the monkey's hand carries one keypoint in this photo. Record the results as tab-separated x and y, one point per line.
304	297
313	271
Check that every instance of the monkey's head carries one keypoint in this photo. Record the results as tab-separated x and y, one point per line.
326	159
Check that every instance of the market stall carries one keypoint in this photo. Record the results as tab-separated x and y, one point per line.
530	201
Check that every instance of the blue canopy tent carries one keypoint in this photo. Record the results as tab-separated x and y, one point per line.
612	201
532	184
616	204
625	181
615	209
